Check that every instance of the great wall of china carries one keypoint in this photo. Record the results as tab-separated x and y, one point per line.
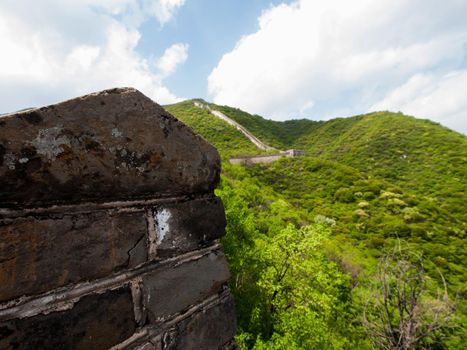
264	158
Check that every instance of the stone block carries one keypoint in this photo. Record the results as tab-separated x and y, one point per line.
113	145
147	346
211	329
170	291
39	254
155	343
95	322
186	226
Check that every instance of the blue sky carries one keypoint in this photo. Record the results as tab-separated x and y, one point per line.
211	28
280	59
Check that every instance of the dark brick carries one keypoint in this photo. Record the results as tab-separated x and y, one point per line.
95	322
187	226
170	291
112	145
151	345
37	255
210	329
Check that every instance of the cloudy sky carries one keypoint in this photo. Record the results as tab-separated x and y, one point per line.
281	59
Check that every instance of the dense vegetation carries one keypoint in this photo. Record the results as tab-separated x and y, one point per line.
305	234
417	155
370	211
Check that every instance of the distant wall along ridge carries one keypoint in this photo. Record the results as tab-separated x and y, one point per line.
257	142
109	229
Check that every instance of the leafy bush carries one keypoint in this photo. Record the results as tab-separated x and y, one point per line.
344	195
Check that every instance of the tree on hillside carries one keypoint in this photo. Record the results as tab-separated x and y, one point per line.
403	313
305	293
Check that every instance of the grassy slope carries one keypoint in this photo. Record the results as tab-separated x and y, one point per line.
228	140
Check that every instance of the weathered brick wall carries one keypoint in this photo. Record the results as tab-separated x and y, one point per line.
256	159
267	158
109	229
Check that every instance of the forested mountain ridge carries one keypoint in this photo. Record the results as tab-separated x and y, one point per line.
390	145
374	181
414	154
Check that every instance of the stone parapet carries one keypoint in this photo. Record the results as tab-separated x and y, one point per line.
112	145
109	229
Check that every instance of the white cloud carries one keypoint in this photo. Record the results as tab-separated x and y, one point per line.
341	57
164	10
438	98
172	57
53	51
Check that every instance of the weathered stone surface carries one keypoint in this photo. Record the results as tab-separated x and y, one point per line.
113	145
95	322
185	226
211	329
155	343
232	345
170	291
150	346
39	254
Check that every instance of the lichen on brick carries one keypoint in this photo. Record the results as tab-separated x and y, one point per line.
162	218
49	142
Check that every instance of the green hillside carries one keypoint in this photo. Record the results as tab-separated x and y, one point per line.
228	140
415	154
355	220
368	183
282	135
372	212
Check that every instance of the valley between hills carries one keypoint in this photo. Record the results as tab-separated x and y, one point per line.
308	237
